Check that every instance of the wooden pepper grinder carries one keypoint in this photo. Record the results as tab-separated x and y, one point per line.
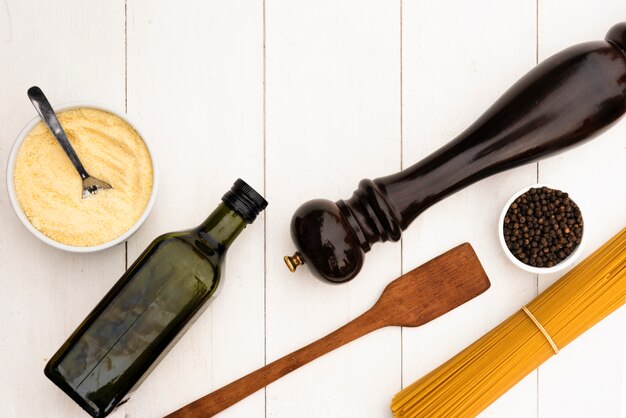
567	99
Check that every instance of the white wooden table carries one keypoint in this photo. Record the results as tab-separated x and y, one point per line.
302	99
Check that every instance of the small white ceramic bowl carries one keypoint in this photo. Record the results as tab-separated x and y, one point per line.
537	270
22	216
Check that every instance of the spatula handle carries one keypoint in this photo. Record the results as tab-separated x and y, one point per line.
232	393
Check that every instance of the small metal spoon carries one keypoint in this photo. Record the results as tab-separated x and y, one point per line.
91	185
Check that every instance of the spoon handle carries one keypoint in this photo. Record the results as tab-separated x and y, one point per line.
232	393
46	112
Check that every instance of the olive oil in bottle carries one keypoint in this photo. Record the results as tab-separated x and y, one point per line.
149	307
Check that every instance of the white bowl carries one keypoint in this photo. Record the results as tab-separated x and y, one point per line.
537	270
22	216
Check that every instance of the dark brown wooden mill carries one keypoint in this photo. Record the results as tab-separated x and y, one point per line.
567	99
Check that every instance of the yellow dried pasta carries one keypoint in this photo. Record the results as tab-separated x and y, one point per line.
474	378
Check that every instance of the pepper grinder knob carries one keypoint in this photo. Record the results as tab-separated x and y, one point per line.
567	99
293	261
325	241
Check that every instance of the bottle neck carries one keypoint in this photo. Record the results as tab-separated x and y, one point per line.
222	227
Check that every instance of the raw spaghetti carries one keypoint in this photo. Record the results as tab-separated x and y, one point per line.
474	378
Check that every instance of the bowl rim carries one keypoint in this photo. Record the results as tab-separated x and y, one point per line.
10	183
538	270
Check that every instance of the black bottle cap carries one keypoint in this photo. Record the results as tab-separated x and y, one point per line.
244	200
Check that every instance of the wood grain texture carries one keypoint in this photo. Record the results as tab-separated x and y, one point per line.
46	292
333	112
567	385
413	299
195	80
458	58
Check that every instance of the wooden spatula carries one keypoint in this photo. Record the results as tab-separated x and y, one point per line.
413	299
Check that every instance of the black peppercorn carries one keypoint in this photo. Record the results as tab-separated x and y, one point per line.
542	227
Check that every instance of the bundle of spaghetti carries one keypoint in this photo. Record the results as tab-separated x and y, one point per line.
477	376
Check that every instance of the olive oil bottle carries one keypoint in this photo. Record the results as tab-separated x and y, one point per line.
149	307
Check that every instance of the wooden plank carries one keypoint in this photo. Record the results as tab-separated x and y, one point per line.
457	60
333	118
46	293
195	82
587	378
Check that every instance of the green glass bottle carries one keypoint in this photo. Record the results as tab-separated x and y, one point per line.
149	307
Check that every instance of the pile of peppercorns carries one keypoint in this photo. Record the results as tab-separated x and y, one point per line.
542	227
